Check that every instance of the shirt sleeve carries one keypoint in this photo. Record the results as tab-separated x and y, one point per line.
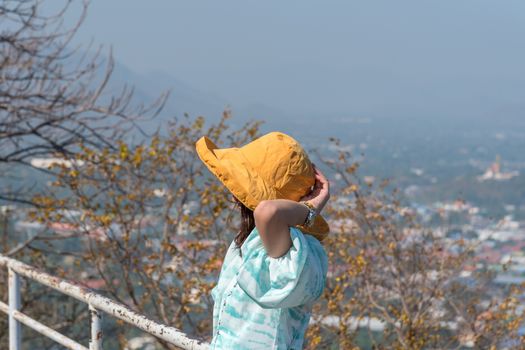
296	278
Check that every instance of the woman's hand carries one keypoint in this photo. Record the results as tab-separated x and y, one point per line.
321	191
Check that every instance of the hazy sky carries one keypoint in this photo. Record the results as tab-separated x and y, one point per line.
337	56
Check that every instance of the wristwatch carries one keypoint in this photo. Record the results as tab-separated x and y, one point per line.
312	213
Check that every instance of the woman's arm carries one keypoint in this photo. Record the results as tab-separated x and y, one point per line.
273	218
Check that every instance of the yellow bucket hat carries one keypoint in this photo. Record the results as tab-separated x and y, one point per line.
273	166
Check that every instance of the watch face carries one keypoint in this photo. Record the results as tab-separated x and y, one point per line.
311	217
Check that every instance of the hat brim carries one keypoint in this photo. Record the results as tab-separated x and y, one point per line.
228	165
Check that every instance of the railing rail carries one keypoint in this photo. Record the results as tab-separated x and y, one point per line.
96	304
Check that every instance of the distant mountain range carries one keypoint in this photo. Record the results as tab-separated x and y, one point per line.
185	98
393	143
448	153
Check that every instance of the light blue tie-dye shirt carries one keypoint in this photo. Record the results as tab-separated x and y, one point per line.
263	302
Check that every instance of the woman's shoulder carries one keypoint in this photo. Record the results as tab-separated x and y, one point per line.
317	256
315	245
291	280
302	243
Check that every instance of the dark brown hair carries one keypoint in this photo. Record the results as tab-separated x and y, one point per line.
246	226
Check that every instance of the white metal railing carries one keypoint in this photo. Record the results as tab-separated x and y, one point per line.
96	303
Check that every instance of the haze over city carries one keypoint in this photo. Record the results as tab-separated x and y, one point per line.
430	59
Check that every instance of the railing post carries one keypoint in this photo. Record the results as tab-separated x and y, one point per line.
15	329
96	329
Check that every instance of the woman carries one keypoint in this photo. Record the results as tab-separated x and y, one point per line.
275	268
